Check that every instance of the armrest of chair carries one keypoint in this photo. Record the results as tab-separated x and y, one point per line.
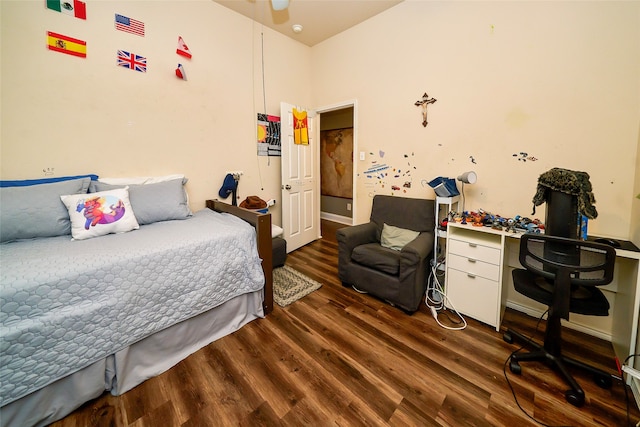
356	235
350	237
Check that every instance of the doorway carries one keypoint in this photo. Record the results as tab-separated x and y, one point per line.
338	142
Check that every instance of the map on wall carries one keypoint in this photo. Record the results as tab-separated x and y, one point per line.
336	162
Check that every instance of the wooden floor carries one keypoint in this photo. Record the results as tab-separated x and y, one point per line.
338	357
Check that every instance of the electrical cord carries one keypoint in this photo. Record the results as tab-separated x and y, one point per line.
436	300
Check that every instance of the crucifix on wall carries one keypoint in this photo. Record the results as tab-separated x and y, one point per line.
424	102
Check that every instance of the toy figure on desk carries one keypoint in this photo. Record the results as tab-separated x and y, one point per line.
510	226
528	225
477	218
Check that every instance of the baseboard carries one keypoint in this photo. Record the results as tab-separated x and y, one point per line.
336	218
580	328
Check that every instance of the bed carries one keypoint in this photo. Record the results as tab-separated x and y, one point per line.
81	317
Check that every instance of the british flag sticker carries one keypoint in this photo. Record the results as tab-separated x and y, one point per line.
132	61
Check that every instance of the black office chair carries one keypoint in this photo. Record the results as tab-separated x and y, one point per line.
563	274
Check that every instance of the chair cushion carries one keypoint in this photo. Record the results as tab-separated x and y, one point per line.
587	300
377	257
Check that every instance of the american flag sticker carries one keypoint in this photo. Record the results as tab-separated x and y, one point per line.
132	61
129	25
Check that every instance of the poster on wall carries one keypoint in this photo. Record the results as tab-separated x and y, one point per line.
336	162
65	44
268	135
75	8
300	127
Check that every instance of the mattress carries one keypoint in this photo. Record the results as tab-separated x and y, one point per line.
66	304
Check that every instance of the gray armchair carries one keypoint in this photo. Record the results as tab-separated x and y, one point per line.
398	277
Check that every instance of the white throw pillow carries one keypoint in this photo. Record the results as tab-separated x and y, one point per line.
141	180
276	231
97	214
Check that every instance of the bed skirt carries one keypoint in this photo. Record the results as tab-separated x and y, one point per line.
131	366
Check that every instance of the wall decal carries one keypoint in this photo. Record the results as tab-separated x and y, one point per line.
74	8
129	25
132	61
424	102
65	44
268	135
523	157
389	179
183	49
180	73
376	170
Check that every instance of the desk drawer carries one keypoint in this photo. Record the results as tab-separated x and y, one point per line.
474	296
474	267
474	251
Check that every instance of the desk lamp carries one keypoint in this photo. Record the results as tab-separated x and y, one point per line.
467	178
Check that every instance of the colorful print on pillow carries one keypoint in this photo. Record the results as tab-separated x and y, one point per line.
97	214
101	210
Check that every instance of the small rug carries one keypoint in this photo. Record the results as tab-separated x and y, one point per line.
290	285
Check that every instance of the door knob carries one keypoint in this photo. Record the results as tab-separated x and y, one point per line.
287	187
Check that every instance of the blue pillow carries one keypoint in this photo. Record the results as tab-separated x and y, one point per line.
28	182
33	211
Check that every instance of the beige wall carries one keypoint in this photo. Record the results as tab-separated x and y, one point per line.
89	116
557	80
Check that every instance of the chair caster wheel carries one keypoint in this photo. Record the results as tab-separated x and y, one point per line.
603	381
507	337
515	367
575	398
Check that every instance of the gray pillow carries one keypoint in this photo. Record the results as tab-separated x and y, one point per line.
160	201
36	210
396	238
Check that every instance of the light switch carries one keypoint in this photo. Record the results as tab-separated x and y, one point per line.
362	155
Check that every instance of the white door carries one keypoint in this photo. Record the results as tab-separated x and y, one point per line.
300	180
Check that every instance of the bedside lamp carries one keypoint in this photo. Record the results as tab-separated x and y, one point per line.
466	178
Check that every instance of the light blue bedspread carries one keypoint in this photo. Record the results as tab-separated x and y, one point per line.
65	304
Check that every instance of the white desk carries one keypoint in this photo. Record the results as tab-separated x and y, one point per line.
490	272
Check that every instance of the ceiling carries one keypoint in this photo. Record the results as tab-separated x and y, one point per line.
320	19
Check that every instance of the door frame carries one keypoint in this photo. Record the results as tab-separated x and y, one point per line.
340	106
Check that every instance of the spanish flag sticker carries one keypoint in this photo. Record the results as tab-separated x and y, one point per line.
66	44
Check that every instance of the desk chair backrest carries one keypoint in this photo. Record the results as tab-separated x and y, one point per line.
565	263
